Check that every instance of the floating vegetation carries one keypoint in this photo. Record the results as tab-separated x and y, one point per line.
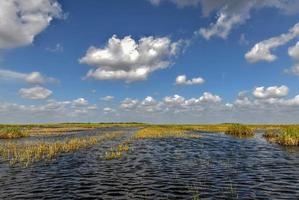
12	133
239	130
163	132
118	151
25	154
287	136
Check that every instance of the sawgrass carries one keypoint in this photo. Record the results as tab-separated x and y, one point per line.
12	133
153	132
28	153
239	130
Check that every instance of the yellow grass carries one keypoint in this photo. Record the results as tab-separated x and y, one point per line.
118	151
163	132
25	154
12	133
239	130
286	136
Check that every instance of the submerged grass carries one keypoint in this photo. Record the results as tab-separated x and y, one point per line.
287	136
26	154
239	130
118	151
152	132
12	133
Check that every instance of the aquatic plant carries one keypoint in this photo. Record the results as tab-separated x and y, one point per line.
27	153
239	130
163	132
12	133
118	151
287	136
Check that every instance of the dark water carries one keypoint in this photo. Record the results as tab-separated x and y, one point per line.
215	166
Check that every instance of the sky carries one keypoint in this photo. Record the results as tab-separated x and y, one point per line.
153	61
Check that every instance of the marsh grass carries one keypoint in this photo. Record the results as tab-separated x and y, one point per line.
28	153
56	130
239	130
12	133
163	132
118	151
287	136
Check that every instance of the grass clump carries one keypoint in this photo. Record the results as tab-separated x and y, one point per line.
163	132
12	133
118	151
28	153
288	136
239	130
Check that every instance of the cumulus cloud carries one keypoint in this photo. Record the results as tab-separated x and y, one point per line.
107	98
129	103
130	60
170	104
22	20
262	50
32	78
270	92
35	93
266	105
182	80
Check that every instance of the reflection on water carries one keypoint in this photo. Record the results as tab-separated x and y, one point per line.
215	166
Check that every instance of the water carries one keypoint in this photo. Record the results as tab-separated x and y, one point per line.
215	166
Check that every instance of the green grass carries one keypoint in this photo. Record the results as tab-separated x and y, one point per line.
12	133
286	136
239	130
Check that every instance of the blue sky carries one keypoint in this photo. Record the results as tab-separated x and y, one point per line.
159	61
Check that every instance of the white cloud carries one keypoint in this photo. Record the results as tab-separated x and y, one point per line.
107	98
35	93
22	20
80	102
270	92
32	78
108	110
262	50
208	97
293	70
271	106
129	103
294	53
130	60
182	80
231	13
